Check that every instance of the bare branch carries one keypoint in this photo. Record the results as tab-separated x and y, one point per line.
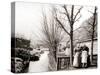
90	12
62	26
77	19
88	30
64	16
77	28
77	13
90	24
67	14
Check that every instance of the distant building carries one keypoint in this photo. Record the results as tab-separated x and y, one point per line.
88	43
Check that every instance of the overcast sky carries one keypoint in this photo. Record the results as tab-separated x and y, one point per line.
28	18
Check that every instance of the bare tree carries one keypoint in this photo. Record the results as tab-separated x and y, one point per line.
91	30
52	33
93	25
72	18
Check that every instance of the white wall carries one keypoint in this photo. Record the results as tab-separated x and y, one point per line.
95	48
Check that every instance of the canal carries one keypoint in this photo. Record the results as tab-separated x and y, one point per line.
41	65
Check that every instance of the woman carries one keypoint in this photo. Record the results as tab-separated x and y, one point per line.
67	51
76	62
84	56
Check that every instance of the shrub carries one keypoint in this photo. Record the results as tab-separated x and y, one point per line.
22	53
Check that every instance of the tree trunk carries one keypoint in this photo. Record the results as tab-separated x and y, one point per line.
92	41
92	38
71	36
71	47
55	52
91	57
55	55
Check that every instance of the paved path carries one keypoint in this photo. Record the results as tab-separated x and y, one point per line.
41	65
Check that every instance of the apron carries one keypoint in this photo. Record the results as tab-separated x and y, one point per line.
84	56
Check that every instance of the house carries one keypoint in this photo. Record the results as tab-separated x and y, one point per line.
88	44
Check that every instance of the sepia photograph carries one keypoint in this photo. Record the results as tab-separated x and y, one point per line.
53	37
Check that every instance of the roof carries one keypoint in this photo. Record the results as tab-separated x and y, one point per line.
87	40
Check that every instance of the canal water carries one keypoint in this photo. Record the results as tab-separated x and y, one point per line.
41	65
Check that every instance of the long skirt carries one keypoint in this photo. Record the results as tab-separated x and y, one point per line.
84	56
76	62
